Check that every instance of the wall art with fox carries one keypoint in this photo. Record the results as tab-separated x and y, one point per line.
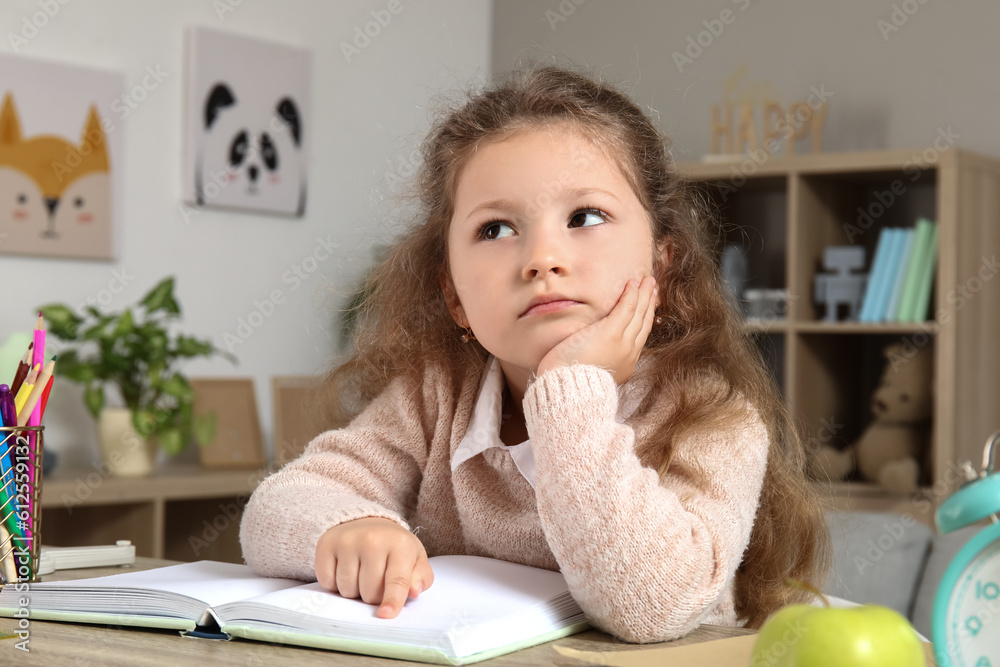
56	191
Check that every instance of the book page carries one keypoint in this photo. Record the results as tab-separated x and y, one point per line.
209	582
470	597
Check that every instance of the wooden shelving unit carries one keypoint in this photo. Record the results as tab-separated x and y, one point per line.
181	512
786	210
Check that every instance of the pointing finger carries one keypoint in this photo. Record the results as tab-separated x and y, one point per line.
398	580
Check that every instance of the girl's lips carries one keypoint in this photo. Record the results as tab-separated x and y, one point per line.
550	307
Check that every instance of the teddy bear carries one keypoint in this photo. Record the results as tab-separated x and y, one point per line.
890	450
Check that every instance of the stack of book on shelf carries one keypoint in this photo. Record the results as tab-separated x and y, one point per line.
902	274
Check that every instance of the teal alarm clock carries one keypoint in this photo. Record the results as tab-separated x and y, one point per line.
965	625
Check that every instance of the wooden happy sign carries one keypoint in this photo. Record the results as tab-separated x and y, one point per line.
735	130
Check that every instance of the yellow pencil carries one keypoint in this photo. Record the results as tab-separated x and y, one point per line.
26	387
37	390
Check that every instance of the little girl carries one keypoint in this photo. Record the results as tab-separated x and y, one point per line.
550	374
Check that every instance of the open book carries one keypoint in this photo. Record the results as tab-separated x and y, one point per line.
477	608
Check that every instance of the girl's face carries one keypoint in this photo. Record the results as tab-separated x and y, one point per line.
545	234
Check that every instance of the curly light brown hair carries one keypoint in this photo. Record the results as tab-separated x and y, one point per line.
404	322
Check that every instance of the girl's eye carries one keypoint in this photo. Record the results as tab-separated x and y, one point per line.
494	230
587	217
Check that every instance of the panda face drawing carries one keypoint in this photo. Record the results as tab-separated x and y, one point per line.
248	160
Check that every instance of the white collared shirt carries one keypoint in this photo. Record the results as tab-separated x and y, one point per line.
484	427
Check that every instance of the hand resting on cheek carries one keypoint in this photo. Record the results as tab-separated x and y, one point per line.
614	342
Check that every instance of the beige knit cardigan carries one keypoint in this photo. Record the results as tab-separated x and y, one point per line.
647	558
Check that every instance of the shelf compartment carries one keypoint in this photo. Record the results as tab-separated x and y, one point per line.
822	360
95	525
753	216
82	507
835	378
200	529
851	209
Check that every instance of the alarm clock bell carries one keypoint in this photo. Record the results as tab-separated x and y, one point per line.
978	498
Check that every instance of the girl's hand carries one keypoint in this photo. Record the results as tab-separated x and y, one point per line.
375	559
615	341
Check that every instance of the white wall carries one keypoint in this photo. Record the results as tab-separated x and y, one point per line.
892	88
367	116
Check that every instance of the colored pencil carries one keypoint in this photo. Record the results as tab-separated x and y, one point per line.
8	417
39	358
7	567
35	419
45	394
8	492
22	395
9	507
8	412
22	369
25	413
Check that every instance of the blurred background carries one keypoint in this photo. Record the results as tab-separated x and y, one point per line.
897	75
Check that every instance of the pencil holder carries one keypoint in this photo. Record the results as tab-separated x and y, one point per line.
20	502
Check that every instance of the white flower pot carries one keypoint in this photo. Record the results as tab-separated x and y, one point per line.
125	453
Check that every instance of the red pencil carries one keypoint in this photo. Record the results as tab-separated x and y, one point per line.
22	369
45	394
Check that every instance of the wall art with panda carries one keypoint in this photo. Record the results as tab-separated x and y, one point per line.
60	158
247	123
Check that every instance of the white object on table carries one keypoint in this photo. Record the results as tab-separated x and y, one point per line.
67	558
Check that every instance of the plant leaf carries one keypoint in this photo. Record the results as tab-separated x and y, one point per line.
96	331
93	396
72	368
187	346
171	441
62	322
161	297
144	422
124	326
178	387
156	342
203	427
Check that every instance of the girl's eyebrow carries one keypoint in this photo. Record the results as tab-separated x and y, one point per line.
507	204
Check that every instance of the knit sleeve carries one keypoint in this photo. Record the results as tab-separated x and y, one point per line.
647	558
371	468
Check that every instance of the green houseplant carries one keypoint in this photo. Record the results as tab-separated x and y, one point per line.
137	352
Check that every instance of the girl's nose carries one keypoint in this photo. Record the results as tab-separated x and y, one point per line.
546	253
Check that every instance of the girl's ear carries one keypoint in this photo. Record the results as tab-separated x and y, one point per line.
452	301
664	253
663	257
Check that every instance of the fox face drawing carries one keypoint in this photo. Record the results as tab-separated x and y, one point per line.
55	195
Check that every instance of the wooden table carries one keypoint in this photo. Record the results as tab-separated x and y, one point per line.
80	645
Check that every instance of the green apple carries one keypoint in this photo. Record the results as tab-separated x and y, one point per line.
802	635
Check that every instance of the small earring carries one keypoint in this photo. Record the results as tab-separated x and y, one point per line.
658	320
468	335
